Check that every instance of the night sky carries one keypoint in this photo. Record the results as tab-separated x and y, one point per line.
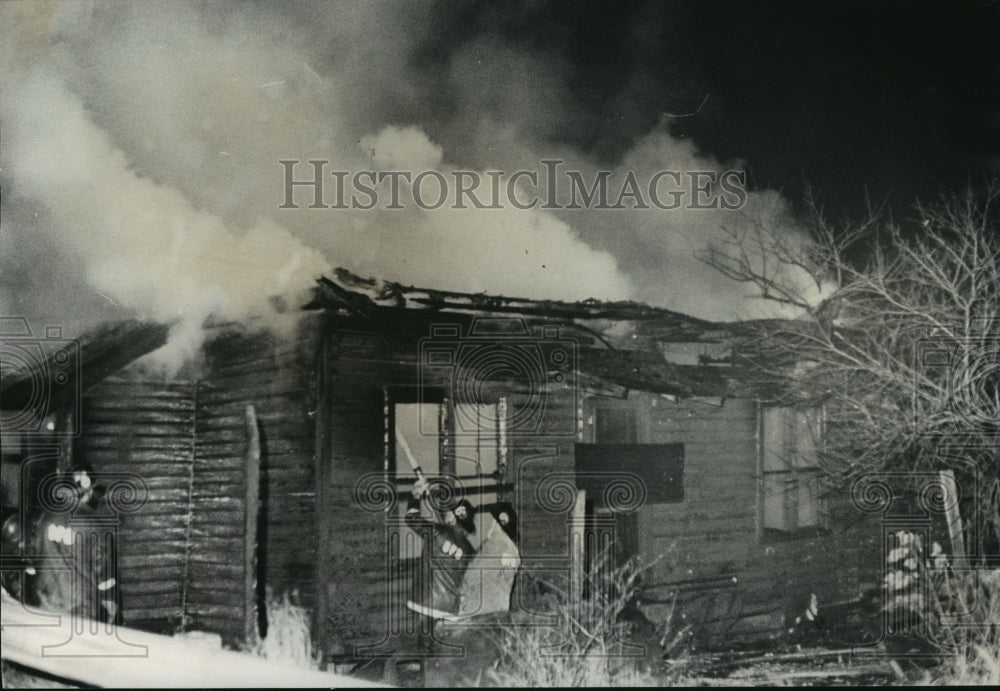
859	100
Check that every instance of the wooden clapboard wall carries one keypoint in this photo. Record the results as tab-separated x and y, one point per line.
359	573
713	528
543	473
182	555
357	364
145	430
361	359
277	378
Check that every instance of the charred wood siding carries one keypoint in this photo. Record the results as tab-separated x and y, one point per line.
276	378
542	459
146	429
711	537
361	574
714	527
839	566
712	533
542	468
359	365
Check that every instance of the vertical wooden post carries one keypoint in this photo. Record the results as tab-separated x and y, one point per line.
953	517
252	508
322	461
446	429
502	459
578	551
758	524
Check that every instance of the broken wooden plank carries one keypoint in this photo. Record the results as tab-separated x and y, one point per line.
770	676
578	547
953	517
252	512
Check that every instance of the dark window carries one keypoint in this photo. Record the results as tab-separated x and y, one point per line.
660	468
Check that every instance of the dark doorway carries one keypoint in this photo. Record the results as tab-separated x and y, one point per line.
619	480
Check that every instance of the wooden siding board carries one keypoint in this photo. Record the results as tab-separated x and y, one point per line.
712	529
274	377
130	426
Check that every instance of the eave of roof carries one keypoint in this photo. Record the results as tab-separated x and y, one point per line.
60	376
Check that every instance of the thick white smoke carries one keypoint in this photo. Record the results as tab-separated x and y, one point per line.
141	175
142	245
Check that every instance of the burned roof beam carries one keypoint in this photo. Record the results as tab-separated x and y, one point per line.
615	311
358	304
453	300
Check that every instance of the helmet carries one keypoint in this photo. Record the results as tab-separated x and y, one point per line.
464	507
507	518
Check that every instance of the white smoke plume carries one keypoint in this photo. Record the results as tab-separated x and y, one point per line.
143	246
140	166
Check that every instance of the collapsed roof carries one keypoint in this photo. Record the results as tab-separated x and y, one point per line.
638	364
603	366
364	295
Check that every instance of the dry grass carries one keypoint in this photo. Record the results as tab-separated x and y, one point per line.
980	666
974	649
960	616
589	645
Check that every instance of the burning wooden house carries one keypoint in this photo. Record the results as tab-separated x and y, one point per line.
277	465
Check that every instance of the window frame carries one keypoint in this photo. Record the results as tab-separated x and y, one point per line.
448	450
594	406
795	468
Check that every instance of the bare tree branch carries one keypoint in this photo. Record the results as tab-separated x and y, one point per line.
904	353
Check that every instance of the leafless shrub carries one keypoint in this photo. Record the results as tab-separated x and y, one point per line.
903	354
